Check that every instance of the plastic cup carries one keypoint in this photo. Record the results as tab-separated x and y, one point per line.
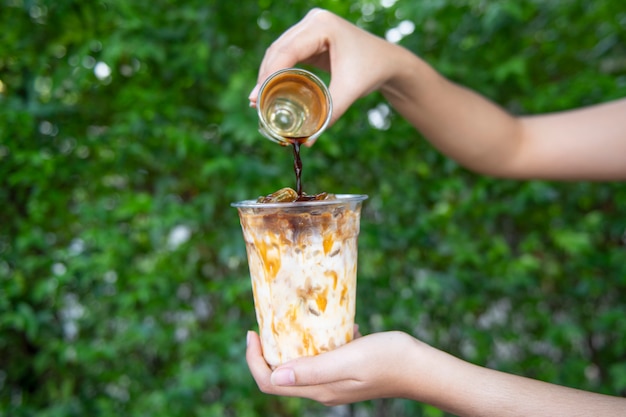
303	264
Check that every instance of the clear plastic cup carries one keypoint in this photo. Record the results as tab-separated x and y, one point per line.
303	264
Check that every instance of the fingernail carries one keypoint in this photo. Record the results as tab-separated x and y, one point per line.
254	92
283	377
248	338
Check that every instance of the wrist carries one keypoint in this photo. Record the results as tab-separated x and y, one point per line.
437	378
410	78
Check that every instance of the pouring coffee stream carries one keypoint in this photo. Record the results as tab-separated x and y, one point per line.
294	108
296	143
297	166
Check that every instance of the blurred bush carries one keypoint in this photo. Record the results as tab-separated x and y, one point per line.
125	133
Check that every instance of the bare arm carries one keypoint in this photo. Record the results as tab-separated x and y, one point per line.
394	364
469	390
587	143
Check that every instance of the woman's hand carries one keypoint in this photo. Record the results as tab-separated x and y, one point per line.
396	365
358	61
373	366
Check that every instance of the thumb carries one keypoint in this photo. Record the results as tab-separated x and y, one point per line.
305	372
283	376
324	368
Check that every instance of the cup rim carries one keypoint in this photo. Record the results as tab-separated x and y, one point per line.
339	199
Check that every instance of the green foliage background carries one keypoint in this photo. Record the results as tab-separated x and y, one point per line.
125	133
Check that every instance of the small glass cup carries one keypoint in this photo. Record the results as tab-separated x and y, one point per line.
293	105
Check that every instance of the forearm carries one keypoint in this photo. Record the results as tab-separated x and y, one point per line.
459	122
582	144
471	391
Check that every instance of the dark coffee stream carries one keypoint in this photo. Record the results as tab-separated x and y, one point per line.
297	168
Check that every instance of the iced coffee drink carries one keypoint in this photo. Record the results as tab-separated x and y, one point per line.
303	263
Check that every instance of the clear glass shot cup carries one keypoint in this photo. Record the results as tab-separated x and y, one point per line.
303	267
293	105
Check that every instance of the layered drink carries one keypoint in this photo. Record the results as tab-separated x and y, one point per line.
302	258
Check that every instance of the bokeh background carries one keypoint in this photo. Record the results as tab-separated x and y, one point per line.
125	133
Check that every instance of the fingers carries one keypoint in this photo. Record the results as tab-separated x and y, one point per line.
372	366
358	62
301	43
328	378
329	43
330	367
284	375
283	381
315	370
254	356
311	370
